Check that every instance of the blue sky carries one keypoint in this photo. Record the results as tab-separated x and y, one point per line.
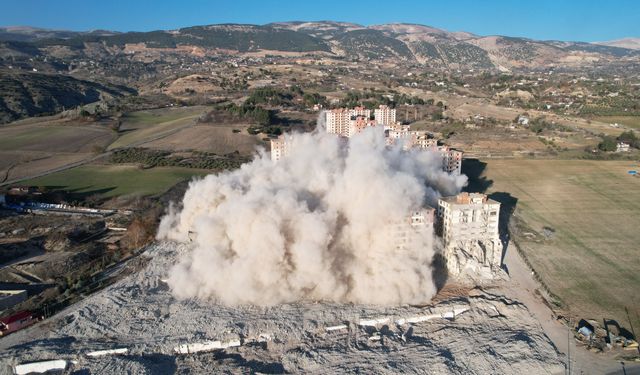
584	20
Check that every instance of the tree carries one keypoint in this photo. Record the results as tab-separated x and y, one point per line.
608	144
630	138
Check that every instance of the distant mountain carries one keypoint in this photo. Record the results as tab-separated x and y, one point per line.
398	42
629	43
24	94
241	38
321	29
30	34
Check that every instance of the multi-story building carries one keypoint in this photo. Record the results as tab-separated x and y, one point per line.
337	121
280	147
358	124
360	111
385	115
423	140
470	221
451	160
407	231
468	216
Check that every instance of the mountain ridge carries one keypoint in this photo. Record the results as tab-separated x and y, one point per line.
399	42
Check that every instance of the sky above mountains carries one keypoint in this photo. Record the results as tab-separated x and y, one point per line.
577	20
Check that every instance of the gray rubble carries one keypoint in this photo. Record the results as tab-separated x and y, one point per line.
477	334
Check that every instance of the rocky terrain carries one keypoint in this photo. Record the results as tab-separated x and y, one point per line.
25	94
476	332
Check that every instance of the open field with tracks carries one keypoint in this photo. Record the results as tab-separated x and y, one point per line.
119	180
577	222
26	150
221	139
142	126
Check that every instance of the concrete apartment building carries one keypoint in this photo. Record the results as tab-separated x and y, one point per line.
339	121
358	124
469	226
451	160
406	231
385	115
280	147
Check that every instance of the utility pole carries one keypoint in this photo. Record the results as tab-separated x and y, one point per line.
569	349
631	325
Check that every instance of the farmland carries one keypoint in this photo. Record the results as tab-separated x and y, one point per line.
141	126
577	223
111	181
221	139
26	150
630	121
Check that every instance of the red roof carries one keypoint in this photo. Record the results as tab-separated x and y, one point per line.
15	317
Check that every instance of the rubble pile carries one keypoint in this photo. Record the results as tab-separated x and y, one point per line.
137	326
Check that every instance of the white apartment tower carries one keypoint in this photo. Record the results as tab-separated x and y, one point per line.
385	115
348	122
337	121
280	147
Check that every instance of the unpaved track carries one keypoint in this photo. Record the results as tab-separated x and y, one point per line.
522	287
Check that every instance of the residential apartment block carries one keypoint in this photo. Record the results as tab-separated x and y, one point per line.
470	221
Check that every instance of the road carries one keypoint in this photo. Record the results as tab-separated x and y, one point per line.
522	287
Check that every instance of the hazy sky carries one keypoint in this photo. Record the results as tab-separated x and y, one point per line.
585	20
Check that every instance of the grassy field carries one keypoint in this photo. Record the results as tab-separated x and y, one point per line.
147	125
591	210
53	138
29	149
110	181
630	121
220	139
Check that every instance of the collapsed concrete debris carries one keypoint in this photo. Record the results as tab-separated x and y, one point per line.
42	367
493	335
102	353
206	346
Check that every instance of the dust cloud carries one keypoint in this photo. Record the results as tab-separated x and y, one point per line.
316	225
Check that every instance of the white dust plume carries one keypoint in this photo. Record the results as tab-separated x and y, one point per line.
319	224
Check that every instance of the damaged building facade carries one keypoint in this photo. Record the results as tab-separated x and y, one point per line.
469	225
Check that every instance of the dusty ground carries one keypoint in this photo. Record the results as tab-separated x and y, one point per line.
588	256
491	334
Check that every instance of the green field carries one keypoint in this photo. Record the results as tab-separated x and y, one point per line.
110	181
52	138
630	121
152	124
590	257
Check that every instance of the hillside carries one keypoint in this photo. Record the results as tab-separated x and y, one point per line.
242	38
30	34
628	43
398	42
373	45
24	94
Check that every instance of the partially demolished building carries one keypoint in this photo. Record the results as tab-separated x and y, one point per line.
469	225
